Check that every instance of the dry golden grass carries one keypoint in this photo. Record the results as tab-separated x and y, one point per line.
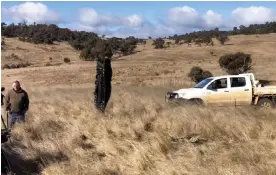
139	134
135	136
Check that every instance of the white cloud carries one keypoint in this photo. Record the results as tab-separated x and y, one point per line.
144	31
89	17
212	19
253	15
188	17
185	16
133	20
31	12
100	30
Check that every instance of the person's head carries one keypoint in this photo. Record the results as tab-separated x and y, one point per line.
16	85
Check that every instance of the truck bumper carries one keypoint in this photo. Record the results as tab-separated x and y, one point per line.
173	98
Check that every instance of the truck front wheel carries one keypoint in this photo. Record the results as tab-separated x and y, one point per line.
196	101
265	104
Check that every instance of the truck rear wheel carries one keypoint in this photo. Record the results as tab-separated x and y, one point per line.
265	104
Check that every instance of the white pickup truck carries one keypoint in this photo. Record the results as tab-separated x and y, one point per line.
229	90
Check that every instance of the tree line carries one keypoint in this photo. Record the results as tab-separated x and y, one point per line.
79	40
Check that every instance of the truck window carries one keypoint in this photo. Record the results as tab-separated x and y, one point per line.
218	84
203	83
237	82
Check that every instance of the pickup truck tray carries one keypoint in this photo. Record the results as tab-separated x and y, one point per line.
267	90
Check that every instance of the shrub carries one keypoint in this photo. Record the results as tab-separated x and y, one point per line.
22	39
23	65
127	48
3	42
48	64
50	58
15	66
198	42
158	43
66	60
84	54
223	39
15	56
207	40
236	63
197	74
177	40
6	66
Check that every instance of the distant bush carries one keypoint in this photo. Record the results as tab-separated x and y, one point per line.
158	43
236	63
50	58
197	74
188	41
6	66
177	40
15	66
84	54
66	60
198	42
207	40
126	48
48	64
223	39
13	56
3	42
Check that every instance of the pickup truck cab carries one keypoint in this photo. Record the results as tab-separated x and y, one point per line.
229	90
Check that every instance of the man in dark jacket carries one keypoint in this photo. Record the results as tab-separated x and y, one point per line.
17	103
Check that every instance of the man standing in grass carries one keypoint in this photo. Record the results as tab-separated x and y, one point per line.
17	103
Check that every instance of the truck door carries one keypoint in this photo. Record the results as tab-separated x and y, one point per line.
217	93
241	91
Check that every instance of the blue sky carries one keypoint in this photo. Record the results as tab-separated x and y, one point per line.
140	19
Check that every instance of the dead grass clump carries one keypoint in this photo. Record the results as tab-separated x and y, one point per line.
148	127
66	60
48	64
16	65
13	57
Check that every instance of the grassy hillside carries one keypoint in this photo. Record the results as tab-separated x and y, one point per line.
139	134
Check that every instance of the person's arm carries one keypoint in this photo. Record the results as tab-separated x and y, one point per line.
26	102
7	101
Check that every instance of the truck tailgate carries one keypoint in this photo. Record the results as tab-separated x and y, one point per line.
265	90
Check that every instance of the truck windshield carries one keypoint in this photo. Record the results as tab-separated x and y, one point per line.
203	83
